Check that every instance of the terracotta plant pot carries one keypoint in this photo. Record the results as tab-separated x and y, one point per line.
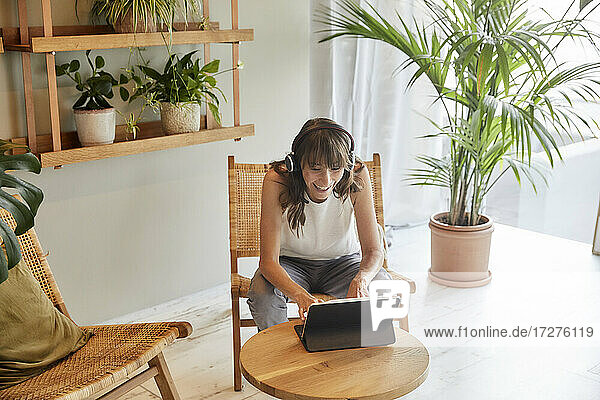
460	254
128	25
95	127
180	117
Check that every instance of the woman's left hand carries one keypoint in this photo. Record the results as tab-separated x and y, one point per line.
359	287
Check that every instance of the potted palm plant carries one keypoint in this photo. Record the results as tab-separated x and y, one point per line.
94	116
495	74
129	16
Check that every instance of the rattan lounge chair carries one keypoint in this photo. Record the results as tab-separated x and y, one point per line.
106	366
245	186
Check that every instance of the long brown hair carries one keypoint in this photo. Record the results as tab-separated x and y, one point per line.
326	147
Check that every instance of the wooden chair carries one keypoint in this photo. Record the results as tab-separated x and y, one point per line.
245	186
107	363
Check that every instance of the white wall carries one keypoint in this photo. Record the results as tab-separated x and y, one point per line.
130	232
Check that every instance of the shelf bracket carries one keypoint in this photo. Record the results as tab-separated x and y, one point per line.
51	73
27	78
235	58
210	120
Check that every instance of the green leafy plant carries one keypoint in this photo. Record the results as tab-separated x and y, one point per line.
23	213
495	74
95	89
183	80
158	11
131	120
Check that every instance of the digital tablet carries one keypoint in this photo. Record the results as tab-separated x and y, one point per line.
343	324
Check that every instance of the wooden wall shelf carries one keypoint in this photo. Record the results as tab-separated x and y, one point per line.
61	148
151	138
12	34
75	41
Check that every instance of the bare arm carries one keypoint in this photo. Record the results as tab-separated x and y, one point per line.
270	228
368	235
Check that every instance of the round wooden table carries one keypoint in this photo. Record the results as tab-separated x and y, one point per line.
276	362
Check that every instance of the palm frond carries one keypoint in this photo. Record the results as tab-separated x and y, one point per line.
495	66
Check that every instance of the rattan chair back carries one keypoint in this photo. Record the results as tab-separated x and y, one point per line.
32	253
245	190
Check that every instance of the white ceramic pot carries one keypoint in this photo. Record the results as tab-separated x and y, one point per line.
180	117
95	127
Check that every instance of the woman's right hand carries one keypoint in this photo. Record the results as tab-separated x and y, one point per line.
304	300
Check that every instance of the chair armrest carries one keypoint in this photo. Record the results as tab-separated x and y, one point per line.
240	285
397	276
185	328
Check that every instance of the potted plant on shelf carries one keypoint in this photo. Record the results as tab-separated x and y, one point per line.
94	116
179	91
495	74
23	214
132	16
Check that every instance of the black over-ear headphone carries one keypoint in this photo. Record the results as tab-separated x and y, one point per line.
291	161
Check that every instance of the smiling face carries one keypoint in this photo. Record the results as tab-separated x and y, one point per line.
324	160
320	180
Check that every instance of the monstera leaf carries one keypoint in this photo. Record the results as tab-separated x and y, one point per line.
22	212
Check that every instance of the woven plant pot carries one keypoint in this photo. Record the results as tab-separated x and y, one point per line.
95	127
180	117
460	254
127	24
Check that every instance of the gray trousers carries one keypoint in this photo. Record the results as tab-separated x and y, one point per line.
268	304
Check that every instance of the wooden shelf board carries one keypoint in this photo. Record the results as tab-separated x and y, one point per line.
122	40
12	34
25	48
1	46
151	138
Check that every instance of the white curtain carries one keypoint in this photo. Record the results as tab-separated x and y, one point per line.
353	82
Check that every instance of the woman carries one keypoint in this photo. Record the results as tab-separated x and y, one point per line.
318	231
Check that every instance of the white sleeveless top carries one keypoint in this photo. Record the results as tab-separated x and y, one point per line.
329	231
